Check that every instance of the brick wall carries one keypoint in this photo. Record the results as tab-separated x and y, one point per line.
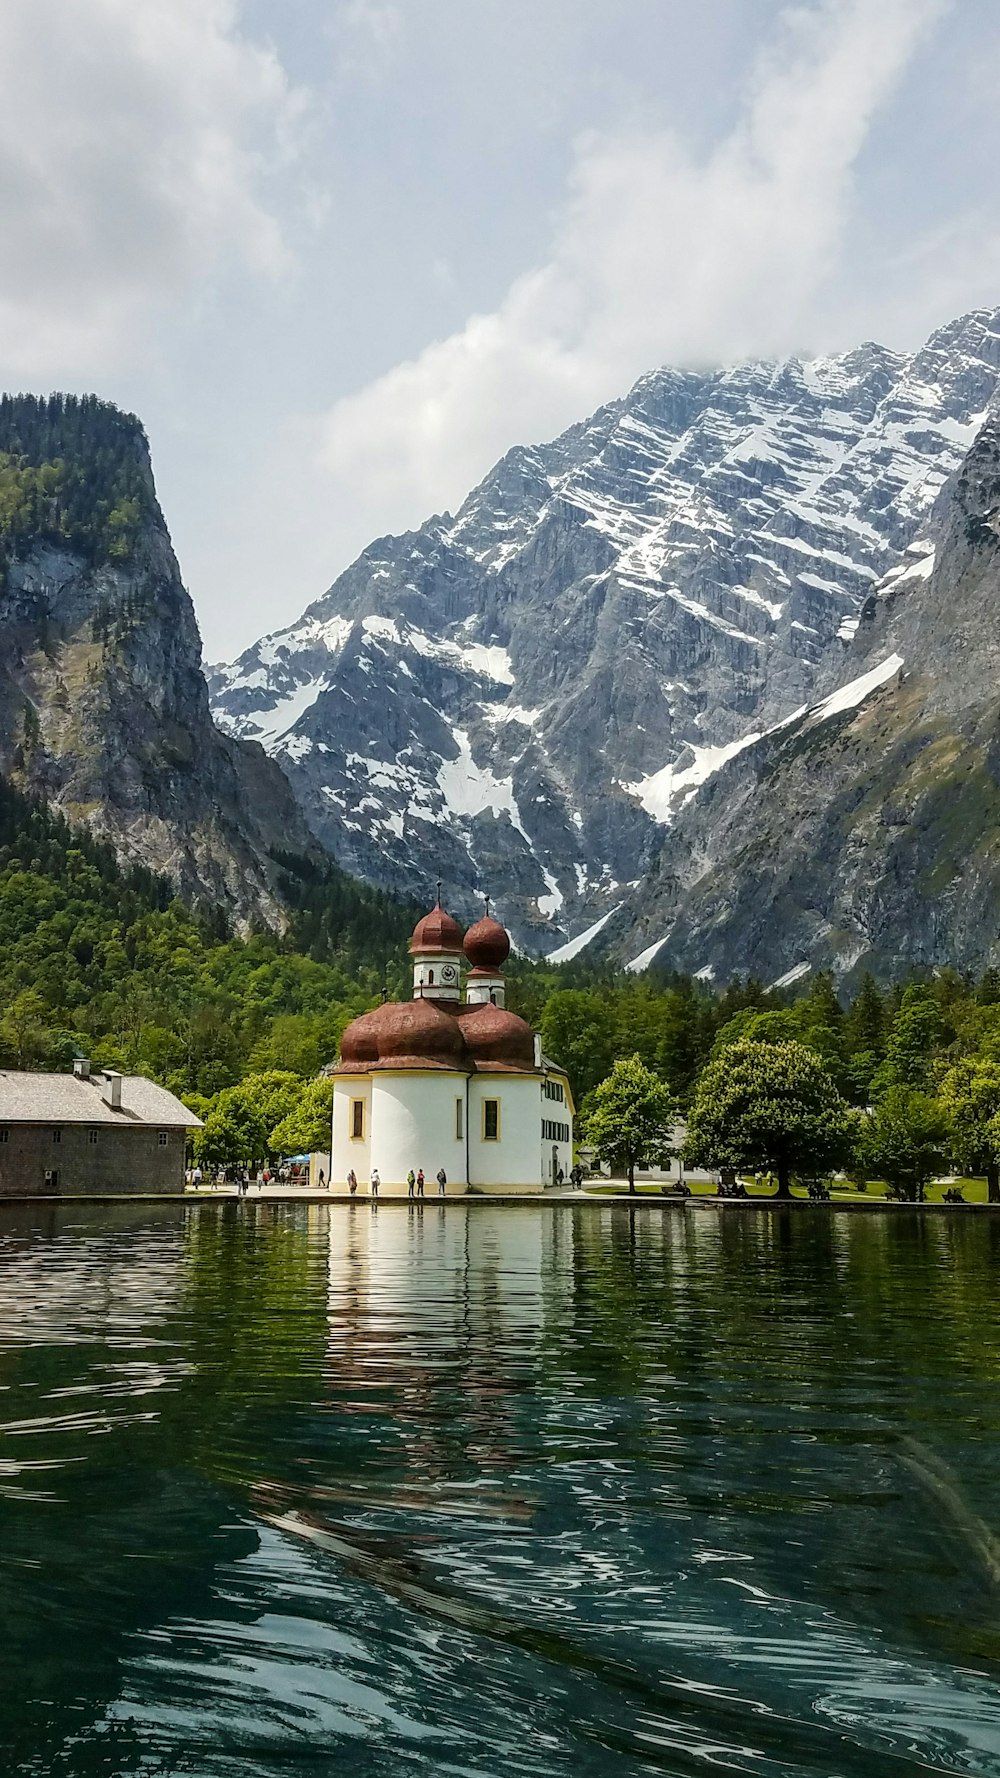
120	1160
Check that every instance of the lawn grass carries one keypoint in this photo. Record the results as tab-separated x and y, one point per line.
973	1190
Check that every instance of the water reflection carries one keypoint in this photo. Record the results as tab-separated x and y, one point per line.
458	1489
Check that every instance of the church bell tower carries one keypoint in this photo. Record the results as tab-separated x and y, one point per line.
436	949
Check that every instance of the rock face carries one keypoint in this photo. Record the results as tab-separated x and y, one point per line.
519	697
103	702
864	833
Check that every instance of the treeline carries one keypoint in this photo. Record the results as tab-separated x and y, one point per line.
73	472
897	1086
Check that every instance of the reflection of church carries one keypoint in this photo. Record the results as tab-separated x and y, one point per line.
452	1082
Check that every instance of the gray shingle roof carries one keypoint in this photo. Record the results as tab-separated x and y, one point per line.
63	1099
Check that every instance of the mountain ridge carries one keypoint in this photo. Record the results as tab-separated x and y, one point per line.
515	697
864	836
103	703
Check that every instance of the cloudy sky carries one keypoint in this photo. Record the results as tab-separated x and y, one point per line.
340	254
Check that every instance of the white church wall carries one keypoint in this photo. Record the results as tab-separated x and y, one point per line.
514	1161
414	1125
347	1152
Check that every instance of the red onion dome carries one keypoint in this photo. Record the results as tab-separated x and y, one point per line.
498	1039
359	1041
414	1034
437	931
487	945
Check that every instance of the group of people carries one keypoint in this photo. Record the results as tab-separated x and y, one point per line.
242	1178
414	1182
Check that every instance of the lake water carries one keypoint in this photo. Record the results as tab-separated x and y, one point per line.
463	1491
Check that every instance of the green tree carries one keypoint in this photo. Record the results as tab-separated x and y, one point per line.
917	1032
239	1125
970	1095
905	1140
769	1106
307	1128
578	1031
630	1117
24	1034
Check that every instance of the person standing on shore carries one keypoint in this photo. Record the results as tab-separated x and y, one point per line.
411	1180
442	1179
375	1182
420	1182
352	1182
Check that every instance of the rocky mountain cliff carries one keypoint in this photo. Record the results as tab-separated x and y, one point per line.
103	703
864	833
520	697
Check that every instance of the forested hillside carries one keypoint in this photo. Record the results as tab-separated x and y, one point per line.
71	475
107	960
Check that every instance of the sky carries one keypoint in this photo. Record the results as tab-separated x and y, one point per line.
339	255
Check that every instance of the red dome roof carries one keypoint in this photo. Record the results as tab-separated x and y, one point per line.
487	945
437	931
359	1041
413	1034
497	1038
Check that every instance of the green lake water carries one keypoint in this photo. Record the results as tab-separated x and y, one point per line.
467	1491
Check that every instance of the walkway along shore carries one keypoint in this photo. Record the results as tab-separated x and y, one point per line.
224	1194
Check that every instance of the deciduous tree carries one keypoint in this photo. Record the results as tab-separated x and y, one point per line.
630	1117
769	1106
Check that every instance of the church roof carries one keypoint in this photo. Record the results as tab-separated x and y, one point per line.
487	945
436	932
406	1034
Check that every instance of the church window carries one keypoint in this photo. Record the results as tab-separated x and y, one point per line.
491	1120
92	1136
4	1135
161	1139
459	1119
57	1135
430	978
357	1120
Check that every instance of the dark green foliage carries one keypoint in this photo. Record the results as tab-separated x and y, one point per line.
769	1105
109	960
73	471
905	1140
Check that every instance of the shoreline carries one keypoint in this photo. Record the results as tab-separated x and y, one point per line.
541	1200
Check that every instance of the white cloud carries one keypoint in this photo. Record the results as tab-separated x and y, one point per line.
659	256
134	140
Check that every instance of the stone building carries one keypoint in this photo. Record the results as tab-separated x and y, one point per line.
69	1134
451	1078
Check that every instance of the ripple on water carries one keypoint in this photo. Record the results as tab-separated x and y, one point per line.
477	1491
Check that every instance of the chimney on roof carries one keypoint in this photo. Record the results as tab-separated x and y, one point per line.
111	1088
81	1067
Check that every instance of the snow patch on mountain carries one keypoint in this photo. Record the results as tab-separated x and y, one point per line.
607	622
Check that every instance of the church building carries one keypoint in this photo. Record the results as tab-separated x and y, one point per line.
451	1078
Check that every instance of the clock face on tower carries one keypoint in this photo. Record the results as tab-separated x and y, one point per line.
448	972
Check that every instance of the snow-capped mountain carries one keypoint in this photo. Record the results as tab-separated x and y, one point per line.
517	698
862	833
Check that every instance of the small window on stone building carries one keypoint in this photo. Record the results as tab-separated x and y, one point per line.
57	1135
162	1139
357	1120
459	1119
491	1120
4	1135
92	1136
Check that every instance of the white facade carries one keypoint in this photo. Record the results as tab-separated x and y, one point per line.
490	1132
437	1084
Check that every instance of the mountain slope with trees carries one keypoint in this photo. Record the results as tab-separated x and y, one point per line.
103	702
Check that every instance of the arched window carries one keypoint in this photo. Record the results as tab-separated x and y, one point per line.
430	978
